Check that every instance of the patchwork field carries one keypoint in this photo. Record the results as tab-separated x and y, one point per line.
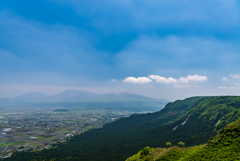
39	128
30	138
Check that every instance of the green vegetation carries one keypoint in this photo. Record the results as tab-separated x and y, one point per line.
173	153
45	159
181	144
191	121
3	144
88	127
169	144
20	134
225	146
61	110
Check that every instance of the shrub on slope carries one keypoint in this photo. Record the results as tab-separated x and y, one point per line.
224	146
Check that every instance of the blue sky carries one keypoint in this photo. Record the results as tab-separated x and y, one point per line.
163	49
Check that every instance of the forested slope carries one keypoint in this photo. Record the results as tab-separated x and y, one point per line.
193	121
224	146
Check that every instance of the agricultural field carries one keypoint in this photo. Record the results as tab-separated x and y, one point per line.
26	127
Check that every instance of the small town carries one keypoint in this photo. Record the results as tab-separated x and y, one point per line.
35	131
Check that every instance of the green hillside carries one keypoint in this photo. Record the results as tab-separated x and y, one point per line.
224	146
193	121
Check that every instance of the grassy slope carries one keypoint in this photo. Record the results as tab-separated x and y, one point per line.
224	146
206	119
125	137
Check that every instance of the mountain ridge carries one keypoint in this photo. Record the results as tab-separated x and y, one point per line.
88	100
75	95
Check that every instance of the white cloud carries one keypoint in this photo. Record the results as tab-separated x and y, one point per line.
223	87
237	84
150	86
234	87
235	75
180	85
160	79
114	80
225	79
163	80
192	78
197	86
140	80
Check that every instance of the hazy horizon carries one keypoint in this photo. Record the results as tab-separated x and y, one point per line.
161	49
101	92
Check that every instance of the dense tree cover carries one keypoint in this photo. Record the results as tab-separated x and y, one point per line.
46	159
192	121
225	146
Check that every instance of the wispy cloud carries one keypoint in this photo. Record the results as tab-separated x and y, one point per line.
225	79
181	85
144	15
224	87
197	86
182	53
197	78
221	87
235	75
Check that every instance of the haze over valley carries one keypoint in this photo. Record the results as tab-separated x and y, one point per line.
38	121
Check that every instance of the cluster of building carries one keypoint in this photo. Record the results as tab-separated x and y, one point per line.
25	125
48	123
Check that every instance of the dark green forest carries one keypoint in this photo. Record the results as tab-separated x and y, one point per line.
224	146
192	121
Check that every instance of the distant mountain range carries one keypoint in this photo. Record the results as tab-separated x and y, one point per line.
121	101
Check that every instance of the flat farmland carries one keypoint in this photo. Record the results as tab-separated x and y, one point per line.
30	127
